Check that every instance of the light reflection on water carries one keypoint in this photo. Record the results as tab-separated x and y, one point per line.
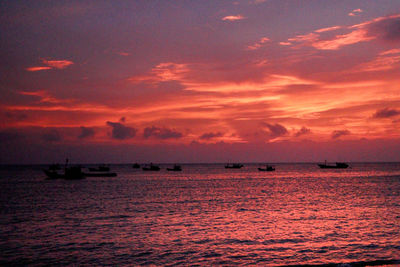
204	215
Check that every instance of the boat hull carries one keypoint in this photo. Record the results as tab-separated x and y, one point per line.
337	166
266	170
100	174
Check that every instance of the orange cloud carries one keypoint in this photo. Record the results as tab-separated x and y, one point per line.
233	18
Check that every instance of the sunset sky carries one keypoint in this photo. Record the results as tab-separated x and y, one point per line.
199	81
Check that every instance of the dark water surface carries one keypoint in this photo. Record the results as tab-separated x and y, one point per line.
204	215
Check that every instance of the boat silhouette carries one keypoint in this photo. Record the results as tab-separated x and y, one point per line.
70	173
233	166
267	168
176	168
338	165
136	166
151	167
100	174
100	168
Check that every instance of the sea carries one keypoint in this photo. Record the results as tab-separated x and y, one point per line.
205	215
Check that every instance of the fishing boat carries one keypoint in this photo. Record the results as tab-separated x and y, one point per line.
151	167
54	167
338	165
70	173
176	168
233	166
267	168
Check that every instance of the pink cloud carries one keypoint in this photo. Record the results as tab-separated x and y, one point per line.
383	28
353	37
328	29
355	12
38	68
163	72
385	62
57	64
125	54
51	64
388	52
233	18
258	44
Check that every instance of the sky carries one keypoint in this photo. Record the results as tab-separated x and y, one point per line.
199	81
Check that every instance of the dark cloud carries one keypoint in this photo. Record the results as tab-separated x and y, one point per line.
51	135
338	133
387	29
120	131
276	130
386	113
302	131
208	136
86	132
160	133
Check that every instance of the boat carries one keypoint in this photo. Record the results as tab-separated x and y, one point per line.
151	167
100	174
54	167
176	168
100	168
136	166
338	165
233	166
267	168
70	173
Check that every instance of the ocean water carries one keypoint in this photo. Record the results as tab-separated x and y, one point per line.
205	215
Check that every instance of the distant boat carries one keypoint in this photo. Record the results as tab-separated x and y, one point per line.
338	165
267	169
176	168
136	166
151	167
100	168
233	166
